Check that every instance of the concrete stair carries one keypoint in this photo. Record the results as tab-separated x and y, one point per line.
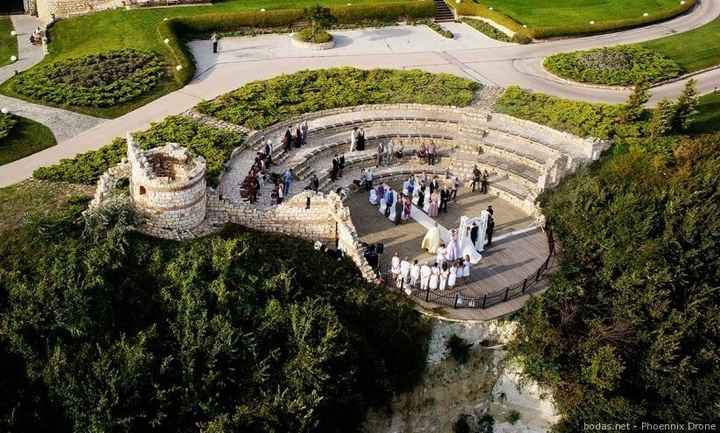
443	13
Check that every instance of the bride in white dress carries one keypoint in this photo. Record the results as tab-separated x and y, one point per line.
466	245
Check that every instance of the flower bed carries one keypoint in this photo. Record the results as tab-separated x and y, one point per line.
614	66
486	29
319	37
262	103
99	80
7	122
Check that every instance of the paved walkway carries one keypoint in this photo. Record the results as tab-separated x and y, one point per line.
64	124
402	47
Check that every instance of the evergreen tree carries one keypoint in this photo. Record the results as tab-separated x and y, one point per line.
686	106
635	105
663	118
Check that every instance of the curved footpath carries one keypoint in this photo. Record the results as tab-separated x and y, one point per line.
63	124
470	55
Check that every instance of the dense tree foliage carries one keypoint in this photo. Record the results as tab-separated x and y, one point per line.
7	123
214	144
629	329
262	103
103	330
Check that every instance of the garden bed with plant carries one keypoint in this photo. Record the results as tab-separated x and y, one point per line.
437	28
319	37
624	65
96	81
259	104
487	29
213	144
20	137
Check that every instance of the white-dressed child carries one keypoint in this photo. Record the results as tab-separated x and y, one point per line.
466	269
459	266
444	276
414	274
452	275
434	277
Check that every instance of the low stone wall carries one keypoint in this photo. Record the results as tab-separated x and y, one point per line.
108	182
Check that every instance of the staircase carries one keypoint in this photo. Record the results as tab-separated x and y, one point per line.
442	12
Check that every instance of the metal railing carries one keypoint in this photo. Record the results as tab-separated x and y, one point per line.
456	299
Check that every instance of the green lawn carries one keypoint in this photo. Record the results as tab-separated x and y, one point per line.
693	50
561	13
8	44
26	138
709	118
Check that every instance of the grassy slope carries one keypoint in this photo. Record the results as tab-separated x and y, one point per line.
137	28
709	118
551	13
26	138
8	44
693	50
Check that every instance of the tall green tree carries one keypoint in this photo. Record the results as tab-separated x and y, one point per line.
635	105
686	106
663	119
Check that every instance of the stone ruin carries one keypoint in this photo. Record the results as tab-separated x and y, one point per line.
167	187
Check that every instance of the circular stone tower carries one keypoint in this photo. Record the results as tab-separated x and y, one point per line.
167	188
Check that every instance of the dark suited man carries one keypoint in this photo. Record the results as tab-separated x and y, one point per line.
434	184
474	231
490	230
444	198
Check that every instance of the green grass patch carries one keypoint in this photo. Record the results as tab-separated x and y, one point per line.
546	19
213	144
24	138
614	66
694	50
259	104
8	44
708	118
486	29
145	30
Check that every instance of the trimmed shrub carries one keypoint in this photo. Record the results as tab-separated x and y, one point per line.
307	35
97	80
259	104
486	29
215	145
615	66
437	28
7	123
580	118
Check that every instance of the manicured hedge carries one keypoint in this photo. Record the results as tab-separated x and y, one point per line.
262	103
470	8
580	118
175	30
437	28
215	145
615	66
98	80
486	29
7	122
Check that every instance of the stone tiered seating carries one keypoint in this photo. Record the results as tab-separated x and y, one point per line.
516	152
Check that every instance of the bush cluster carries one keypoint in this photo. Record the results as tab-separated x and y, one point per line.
213	144
486	29
576	117
98	80
236	332
318	37
7	123
259	104
614	66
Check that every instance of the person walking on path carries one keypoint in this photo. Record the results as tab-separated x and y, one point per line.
215	39
476	178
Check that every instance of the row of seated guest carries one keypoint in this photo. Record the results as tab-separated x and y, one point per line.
386	152
297	138
428	152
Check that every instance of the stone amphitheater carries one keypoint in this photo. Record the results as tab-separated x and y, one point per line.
167	185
